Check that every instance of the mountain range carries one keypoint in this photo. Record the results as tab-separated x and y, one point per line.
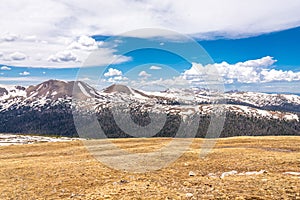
48	108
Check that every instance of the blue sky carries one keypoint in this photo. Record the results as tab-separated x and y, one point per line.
251	52
282	45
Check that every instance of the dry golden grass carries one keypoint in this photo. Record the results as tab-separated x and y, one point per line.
66	170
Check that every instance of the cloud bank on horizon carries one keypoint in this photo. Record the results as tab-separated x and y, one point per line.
251	71
248	72
58	34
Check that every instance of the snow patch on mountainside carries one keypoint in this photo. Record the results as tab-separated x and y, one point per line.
83	90
175	101
263	99
253	112
12	92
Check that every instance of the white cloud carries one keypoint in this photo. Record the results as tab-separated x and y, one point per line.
25	73
144	74
9	37
62	23
251	71
74	17
5	68
55	53
245	72
30	38
12	37
155	67
116	79
113	72
114	76
279	75
63	56
17	56
259	71
85	43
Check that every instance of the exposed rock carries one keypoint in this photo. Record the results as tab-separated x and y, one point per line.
191	173
233	172
189	195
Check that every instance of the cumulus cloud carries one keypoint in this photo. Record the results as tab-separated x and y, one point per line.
113	72
85	43
251	71
144	74
17	56
12	37
63	56
25	73
9	37
280	75
245	72
155	67
259	71
116	79
61	53
5	68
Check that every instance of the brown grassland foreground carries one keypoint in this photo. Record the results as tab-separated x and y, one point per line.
66	170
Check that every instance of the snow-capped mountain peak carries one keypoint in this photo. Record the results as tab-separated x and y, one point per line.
53	99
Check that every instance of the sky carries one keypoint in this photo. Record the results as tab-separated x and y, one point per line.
243	45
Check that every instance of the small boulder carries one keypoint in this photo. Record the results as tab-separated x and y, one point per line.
191	173
189	195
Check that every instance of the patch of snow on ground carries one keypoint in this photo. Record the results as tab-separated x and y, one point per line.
233	172
10	139
252	173
292	173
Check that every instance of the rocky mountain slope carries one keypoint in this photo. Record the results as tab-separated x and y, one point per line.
47	108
